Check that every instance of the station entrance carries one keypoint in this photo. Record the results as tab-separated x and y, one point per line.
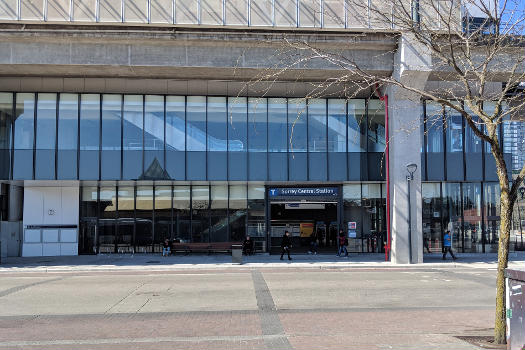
308	214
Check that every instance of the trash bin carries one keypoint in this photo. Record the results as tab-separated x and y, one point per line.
237	253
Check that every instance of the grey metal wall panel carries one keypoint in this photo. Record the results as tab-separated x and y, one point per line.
217	166
58	10
278	166
356	162
67	165
261	13
161	11
175	165
317	167
237	166
257	166
136	11
8	9
110	11
32	9
84	10
44	164
186	12
211	12
196	166
337	163
110	165
88	165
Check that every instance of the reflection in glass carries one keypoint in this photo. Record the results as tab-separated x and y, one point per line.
237	117
353	211
336	125
132	136
431	212
472	217
24	136
473	142
6	117
87	243
277	130
107	222
218	213
154	138
454	130
356	126
452	214
237	212
257	124
376	126
373	219
126	218
89	136
46	116
181	213
217	127
67	137
434	127
162	214
256	212
196	123
200	199
297	125
317	124
491	197
175	137
144	217
111	136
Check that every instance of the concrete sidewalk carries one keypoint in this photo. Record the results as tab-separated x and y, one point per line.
152	262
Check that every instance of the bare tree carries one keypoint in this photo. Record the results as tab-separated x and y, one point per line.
475	48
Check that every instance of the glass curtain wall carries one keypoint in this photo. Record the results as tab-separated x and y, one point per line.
132	137
126	219
107	220
297	140
46	116
6	124
491	217
154	122
277	139
24	125
200	203
163	217
472	217
317	139
111	137
353	211
89	137
219	213
256	213
144	219
181	213
196	138
336	142
453	214
432	229
434	141
67	137
87	243
237	138
237	212
176	137
217	144
257	138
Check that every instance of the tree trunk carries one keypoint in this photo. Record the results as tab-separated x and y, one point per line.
503	257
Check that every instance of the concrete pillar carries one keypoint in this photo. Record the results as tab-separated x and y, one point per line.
412	67
16	195
405	143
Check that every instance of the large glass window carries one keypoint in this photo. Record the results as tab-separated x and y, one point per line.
144	219
24	136
176	137
6	120
217	127
196	123
67	137
154	137
432	230
257	124
277	129
237	115
46	116
317	124
218	213
200	200
162	214
492	207
376	126
89	136
126	218
181	213
454	130
472	141
434	127
336	125
111	136
452	213
353	212
356	126
373	220
87	243
132	137
237	212
297	125
107	219
256	212
472	217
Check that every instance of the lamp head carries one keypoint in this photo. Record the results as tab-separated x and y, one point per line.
411	168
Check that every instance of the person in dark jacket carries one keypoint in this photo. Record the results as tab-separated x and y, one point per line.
247	246
286	245
343	242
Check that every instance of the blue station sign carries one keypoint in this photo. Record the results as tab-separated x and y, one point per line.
303	192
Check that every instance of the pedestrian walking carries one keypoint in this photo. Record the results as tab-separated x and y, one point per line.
247	246
313	243
286	245
447	246
343	242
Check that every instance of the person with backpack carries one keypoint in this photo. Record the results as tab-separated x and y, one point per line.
447	246
343	242
286	245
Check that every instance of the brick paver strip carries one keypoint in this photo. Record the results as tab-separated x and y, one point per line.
270	321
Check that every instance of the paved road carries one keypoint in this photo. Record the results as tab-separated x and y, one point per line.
246	308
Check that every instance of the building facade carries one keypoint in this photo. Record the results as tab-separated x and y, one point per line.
126	122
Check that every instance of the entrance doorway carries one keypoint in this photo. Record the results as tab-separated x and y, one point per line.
306	221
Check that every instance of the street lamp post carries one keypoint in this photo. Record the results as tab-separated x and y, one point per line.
411	169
